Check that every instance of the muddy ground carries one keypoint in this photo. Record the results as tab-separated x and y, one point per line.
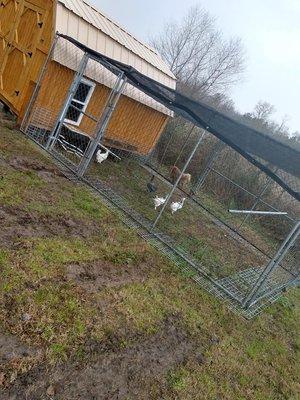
89	311
107	370
136	372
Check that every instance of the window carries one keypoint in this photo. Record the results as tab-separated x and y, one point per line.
80	101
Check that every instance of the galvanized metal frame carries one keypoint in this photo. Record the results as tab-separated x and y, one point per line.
255	295
273	264
38	85
103	123
72	90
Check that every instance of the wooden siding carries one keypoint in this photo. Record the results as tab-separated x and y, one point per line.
26	31
133	125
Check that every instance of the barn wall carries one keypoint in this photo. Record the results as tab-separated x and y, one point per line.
133	125
26	31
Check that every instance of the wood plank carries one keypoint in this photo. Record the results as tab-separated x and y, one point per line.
11	36
31	41
24	77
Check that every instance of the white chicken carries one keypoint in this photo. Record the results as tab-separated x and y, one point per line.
100	157
177	205
158	201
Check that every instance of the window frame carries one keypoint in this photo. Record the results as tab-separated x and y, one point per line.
92	86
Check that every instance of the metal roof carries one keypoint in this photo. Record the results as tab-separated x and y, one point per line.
110	28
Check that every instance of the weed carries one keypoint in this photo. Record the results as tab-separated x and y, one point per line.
58	351
178	380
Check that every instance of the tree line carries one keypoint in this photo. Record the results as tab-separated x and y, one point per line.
207	65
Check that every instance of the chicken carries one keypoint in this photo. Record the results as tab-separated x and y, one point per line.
184	180
100	157
175	206
151	187
158	201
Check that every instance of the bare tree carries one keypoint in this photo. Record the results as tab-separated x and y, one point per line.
261	118
263	111
203	61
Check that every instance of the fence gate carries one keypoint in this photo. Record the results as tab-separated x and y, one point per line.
69	111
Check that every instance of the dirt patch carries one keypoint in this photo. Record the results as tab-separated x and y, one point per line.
15	357
132	372
93	277
3	163
25	164
7	120
17	224
11	348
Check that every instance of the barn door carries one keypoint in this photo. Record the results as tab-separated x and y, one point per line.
21	27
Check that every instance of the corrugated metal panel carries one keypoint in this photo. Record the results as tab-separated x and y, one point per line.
114	31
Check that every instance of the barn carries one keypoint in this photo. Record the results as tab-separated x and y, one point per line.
27	31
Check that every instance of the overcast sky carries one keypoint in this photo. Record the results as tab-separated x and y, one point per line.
270	30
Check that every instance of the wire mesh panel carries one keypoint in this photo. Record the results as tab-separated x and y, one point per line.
250	213
68	103
51	91
281	272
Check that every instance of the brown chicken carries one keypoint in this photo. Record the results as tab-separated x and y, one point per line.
184	180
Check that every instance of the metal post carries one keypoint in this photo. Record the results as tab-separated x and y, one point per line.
78	76
288	242
102	123
38	85
178	179
277	289
217	150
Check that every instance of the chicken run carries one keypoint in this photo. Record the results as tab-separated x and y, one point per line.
195	171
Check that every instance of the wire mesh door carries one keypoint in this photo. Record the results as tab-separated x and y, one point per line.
69	101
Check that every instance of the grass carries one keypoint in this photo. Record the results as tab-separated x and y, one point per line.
256	360
178	379
191	228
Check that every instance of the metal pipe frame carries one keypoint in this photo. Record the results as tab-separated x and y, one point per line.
249	212
278	289
254	295
102	123
37	88
84	113
179	178
215	154
72	90
272	265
